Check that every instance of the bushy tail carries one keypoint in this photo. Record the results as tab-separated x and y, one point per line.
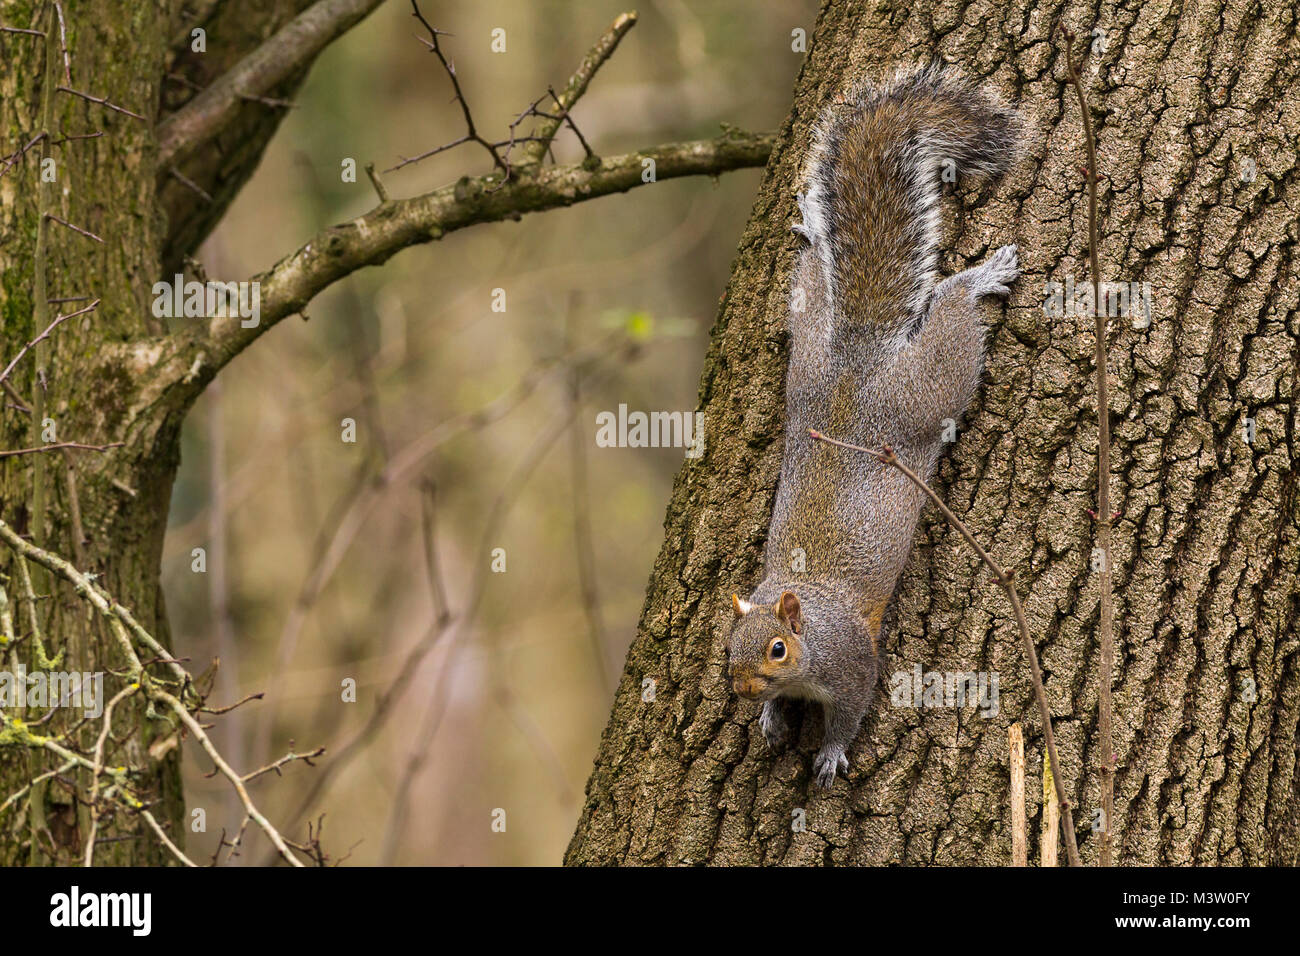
872	186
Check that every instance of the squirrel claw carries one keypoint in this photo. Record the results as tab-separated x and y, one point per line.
827	763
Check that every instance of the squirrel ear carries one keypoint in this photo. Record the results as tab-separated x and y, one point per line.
741	607
787	609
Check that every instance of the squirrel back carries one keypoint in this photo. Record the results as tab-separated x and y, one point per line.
871	205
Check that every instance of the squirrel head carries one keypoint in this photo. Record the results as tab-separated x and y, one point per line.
766	649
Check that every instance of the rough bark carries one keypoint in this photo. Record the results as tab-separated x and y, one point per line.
1207	683
105	185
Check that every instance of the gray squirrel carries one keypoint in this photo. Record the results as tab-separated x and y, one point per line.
879	355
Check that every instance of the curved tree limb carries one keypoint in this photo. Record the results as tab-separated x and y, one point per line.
292	47
196	193
191	360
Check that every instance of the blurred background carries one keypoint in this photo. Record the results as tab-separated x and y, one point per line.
318	573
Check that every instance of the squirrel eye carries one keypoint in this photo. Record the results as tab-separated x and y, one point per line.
778	651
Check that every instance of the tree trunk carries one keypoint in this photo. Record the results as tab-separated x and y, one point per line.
1198	114
89	384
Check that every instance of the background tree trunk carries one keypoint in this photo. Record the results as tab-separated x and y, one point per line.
94	391
1207	686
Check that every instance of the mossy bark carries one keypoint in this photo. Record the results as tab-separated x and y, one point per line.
1198	113
88	387
100	381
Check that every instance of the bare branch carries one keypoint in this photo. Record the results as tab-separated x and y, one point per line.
190	184
290	757
166	840
453	628
17	155
376	236
77	137
100	100
50	328
63	43
124	628
568	120
471	132
97	768
355	508
292	48
68	225
55	446
578	83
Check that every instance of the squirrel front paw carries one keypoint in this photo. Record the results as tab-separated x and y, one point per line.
776	731
830	759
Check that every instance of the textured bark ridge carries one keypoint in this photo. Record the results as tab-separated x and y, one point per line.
1189	102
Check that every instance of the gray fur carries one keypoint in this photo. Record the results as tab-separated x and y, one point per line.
871	380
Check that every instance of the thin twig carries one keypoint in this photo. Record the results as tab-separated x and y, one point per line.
13	158
77	137
54	446
190	184
378	183
582	537
100	100
44	335
564	115
579	81
63	43
1104	517
433	569
1019	827
1004	578
268	101
97	768
290	757
166	840
471	132
64	222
